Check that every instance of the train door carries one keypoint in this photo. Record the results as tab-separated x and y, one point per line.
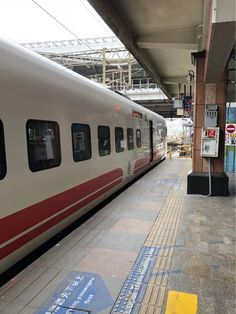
151	139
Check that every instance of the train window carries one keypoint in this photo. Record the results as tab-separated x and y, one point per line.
43	140
138	138
81	141
3	167
104	142
119	138
130	138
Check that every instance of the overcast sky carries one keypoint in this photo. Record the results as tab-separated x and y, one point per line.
23	21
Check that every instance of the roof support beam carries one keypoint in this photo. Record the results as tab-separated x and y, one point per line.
175	80
182	38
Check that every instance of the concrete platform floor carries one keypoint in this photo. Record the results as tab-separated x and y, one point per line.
205	252
151	239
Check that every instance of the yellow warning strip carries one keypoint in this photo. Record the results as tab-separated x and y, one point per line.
181	303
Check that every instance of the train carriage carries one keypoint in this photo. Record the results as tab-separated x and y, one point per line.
65	145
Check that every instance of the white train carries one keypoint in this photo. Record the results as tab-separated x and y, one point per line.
65	145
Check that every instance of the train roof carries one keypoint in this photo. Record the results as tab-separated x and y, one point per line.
23	65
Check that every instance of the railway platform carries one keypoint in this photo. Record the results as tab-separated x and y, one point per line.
152	249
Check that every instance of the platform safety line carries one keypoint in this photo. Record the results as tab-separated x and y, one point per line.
166	221
181	303
163	235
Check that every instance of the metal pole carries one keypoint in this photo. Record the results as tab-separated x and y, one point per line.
129	71
209	170
104	66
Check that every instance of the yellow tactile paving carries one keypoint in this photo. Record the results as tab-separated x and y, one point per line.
149	309
161	296
181	303
154	294
148	293
164	234
143	309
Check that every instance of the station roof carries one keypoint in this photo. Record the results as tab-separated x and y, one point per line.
162	35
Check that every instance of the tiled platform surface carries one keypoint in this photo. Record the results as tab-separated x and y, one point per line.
205	252
150	239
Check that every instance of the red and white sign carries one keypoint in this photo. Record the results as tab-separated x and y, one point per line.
211	133
230	134
230	128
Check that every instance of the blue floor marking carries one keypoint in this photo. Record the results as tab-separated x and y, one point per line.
79	293
66	310
133	291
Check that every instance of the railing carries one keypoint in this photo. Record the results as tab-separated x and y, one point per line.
134	86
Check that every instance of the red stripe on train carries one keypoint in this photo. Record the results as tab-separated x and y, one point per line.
11	247
26	218
140	163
